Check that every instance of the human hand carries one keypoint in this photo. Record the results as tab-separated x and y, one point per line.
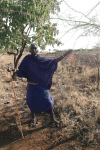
8	69
70	51
11	69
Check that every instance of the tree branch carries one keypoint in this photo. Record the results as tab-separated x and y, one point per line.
93	8
76	10
75	21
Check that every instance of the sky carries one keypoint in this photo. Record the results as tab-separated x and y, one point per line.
72	40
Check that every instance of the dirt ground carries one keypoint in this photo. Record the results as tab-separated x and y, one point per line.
76	103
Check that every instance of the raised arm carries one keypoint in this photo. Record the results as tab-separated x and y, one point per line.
66	54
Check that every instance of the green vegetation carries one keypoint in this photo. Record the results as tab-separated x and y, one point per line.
19	19
2	51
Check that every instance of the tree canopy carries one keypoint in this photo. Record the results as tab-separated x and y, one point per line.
20	18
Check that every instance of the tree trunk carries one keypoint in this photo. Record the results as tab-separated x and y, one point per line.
17	60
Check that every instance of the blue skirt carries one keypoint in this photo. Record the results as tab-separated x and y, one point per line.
38	98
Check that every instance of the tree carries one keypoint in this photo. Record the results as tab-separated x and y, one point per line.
19	18
86	24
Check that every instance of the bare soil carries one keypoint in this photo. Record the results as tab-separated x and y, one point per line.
76	102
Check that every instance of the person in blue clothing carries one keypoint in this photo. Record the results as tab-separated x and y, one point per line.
39	71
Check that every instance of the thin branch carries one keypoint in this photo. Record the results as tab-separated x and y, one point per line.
75	27
77	11
93	8
71	36
78	38
84	23
13	52
29	32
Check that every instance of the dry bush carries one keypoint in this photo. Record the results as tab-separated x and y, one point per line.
76	98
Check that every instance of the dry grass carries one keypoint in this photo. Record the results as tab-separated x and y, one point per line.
76	98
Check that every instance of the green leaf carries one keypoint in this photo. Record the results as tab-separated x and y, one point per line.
34	13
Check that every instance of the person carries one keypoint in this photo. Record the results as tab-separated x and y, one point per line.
39	71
